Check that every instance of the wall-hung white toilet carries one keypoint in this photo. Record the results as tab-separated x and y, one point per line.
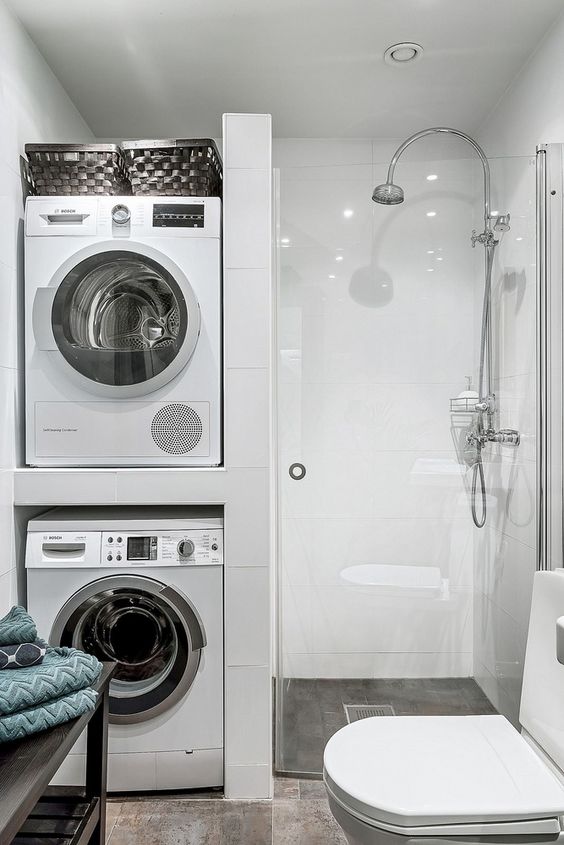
439	777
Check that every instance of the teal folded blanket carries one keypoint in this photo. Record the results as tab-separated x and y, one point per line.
17	627
63	671
40	717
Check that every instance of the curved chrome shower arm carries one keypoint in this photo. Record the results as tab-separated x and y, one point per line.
475	146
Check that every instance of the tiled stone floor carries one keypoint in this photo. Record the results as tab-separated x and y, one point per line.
298	815
313	709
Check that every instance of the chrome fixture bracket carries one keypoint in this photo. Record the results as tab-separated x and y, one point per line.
487	405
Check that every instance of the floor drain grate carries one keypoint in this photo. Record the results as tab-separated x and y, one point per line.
354	712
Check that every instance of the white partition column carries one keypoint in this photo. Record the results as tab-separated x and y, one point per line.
243	485
247	313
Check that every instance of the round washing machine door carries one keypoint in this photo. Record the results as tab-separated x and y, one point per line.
126	320
150	630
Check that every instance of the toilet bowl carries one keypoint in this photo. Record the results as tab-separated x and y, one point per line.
439	777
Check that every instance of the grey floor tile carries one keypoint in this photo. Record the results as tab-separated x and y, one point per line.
313	709
205	822
113	809
286	788
304	823
285	821
312	790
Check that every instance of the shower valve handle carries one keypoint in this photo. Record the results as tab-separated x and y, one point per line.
486	405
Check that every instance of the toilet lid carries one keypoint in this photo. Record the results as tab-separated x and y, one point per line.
414	771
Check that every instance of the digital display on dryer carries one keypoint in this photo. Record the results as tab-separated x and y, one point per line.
142	548
185	215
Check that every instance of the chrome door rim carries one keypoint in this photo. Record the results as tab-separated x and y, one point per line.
191	621
191	338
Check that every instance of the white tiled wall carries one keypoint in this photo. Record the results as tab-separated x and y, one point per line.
247	275
505	551
35	108
527	115
375	335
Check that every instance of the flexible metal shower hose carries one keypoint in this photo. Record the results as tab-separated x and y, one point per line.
478	468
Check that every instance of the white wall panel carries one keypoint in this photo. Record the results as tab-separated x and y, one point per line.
33	108
247	247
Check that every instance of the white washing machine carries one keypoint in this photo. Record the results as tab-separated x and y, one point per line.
123	331
143	588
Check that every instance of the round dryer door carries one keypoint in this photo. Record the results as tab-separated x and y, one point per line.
121	319
151	631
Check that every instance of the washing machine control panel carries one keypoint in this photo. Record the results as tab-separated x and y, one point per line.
125	549
189	547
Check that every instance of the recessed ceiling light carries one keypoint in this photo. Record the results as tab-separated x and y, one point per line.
431	214
430	269
331	276
430	252
518	239
403	53
432	177
285	241
348	212
439	258
338	258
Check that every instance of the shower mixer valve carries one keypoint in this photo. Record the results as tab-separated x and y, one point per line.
506	436
486	238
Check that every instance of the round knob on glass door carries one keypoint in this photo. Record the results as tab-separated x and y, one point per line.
186	548
121	215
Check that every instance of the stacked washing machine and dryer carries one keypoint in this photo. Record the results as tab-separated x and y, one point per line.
123	368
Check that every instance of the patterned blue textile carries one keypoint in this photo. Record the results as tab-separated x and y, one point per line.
39	718
17	627
63	671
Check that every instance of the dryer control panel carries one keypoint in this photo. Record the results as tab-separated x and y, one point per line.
125	549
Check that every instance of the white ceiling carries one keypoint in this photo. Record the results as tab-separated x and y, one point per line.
137	68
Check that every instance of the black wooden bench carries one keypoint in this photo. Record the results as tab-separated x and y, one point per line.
30	814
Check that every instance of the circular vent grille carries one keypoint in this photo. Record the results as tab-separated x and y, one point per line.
176	429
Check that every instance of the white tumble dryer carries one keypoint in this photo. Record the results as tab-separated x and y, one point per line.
123	331
143	588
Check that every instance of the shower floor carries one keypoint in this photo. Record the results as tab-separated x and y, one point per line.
313	709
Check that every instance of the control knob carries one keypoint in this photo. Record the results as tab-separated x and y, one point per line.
186	548
121	214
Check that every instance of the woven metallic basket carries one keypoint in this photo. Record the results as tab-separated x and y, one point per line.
184	168
78	169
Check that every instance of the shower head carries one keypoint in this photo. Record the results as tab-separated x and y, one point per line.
391	194
388	194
